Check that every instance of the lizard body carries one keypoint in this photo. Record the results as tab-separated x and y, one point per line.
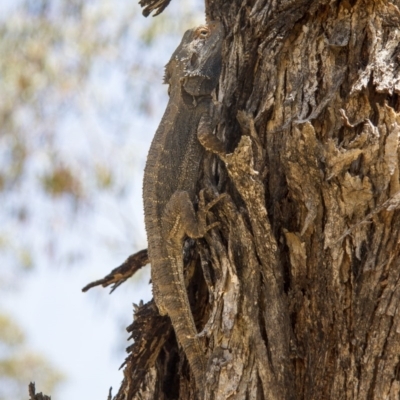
171	175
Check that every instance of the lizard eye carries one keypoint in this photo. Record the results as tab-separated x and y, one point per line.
203	33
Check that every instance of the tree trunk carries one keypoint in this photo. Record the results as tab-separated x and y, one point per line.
298	289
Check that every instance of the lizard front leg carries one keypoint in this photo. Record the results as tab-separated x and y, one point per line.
206	137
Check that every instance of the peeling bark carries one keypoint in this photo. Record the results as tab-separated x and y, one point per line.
297	291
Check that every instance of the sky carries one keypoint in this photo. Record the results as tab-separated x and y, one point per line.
108	121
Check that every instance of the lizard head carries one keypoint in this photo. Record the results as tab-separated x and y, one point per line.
195	65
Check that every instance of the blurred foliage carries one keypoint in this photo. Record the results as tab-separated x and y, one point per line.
10	334
71	70
104	177
19	365
42	65
61	180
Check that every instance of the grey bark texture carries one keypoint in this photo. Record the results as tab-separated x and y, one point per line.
298	289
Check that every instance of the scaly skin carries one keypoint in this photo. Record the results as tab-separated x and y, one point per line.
170	179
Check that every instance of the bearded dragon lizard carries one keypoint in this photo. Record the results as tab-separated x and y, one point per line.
170	179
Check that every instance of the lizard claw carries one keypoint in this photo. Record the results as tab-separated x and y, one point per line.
212	226
215	201
204	209
202	202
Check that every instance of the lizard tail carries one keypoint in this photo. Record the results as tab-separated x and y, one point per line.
192	347
176	301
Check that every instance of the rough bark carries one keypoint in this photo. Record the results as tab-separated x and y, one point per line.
298	290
